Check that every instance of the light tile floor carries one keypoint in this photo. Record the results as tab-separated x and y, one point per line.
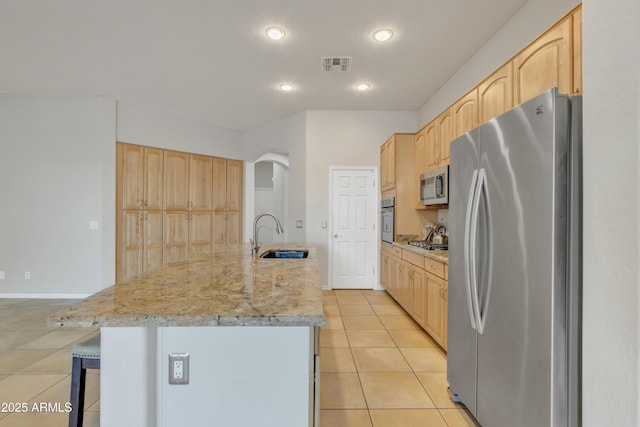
35	366
379	368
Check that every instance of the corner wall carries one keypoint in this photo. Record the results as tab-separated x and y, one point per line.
342	138
52	181
611	52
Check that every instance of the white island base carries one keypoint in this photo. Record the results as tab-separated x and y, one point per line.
239	376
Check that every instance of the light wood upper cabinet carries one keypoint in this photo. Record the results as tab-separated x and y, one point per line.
431	143
545	63
227	195
388	165
234	184
465	114
165	201
200	182
219	183
132	177
445	136
141	177
176	180
577	52
420	152
495	93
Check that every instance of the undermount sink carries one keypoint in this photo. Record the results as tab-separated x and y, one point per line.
285	253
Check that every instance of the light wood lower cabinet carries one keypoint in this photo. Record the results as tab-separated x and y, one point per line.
141	242
186	234
436	316
419	285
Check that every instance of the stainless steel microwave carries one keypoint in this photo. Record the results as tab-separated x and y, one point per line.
434	187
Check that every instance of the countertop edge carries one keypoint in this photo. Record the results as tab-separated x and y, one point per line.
188	322
426	253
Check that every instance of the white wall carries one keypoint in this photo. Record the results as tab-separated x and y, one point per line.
54	170
530	21
144	126
342	138
611	43
286	136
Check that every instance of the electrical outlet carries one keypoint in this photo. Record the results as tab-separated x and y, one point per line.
27	275
1	275
178	368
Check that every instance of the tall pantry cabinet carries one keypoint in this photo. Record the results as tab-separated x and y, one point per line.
168	205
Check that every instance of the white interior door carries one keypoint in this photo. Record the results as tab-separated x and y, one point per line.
353	233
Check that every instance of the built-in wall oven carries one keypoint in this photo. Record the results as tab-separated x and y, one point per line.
386	219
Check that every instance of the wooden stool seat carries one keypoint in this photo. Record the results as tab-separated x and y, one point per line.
86	355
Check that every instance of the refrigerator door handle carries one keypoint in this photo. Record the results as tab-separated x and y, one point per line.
467	248
473	256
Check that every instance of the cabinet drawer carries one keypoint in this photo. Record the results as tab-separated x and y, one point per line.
413	258
396	251
434	267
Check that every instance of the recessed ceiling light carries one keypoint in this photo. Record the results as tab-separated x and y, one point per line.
383	35
363	86
275	33
286	87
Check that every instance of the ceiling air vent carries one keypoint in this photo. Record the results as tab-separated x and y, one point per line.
340	64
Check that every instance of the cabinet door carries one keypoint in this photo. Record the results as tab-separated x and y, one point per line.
176	180
200	183
435	317
577	52
234	231
132	244
219	227
152	239
396	277
432	144
384	269
545	63
219	183
391	164
419	297
176	235
445	136
465	114
153	177
200	233
495	93
132	176
445	313
420	152
234	185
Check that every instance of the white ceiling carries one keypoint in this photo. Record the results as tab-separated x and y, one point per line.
210	60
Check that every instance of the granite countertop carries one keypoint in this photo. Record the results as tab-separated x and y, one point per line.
227	287
442	256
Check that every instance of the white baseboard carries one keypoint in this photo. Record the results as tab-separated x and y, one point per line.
45	296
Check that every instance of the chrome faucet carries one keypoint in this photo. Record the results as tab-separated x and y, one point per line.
255	244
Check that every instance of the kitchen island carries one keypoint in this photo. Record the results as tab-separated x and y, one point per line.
248	324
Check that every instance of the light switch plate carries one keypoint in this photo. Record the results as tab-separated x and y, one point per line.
299	223
1	275
93	225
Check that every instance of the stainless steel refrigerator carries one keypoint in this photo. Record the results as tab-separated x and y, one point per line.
515	266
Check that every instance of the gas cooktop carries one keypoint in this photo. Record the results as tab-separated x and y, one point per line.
423	244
